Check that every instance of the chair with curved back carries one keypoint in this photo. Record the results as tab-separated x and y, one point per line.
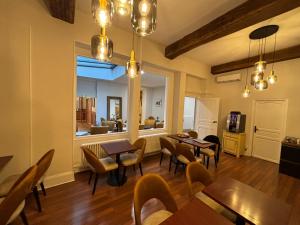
13	204
148	187
193	134
43	165
134	158
167	148
198	177
184	155
98	166
214	139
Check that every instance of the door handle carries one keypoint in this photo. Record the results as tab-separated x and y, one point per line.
215	121
255	129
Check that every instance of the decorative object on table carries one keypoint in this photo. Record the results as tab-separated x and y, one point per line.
234	143
183	135
236	122
258	77
290	157
143	21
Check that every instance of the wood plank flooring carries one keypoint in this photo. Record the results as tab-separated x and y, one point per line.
73	204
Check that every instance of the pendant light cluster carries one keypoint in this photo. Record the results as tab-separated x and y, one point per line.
143	21
258	78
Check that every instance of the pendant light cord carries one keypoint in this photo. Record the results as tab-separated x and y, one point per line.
141	50
275	42
248	62
133	40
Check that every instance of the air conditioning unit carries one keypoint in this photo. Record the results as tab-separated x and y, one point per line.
228	78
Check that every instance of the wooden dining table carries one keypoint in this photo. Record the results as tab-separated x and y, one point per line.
4	160
196	213
116	148
250	205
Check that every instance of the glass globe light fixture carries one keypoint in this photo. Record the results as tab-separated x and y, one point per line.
132	66
122	7
255	77
102	11
272	78
260	66
261	85
101	47
144	16
246	92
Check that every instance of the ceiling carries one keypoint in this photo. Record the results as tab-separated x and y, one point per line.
175	20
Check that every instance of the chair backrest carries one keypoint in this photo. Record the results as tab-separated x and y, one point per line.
140	144
17	194
193	134
150	123
151	186
185	150
93	160
213	139
141	127
99	130
197	173
165	143
43	165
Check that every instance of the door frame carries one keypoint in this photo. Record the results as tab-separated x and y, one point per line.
251	137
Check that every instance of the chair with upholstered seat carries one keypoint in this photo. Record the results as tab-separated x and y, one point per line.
184	155
12	205
214	150
43	165
167	148
134	158
197	178
148	187
98	166
193	134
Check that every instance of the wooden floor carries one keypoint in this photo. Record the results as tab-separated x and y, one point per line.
73	204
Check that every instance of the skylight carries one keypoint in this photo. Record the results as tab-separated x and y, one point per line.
92	68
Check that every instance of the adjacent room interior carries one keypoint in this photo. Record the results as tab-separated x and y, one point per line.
148	112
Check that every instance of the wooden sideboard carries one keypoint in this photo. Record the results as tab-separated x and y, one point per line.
234	143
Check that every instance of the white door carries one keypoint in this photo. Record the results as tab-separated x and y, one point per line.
189	113
206	116
269	129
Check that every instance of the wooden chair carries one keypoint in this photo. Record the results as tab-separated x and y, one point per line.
98	166
197	178
13	204
167	148
148	187
135	158
216	149
184	155
193	134
43	165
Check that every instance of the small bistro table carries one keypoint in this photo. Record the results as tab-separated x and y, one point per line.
117	148
196	213
4	160
250	205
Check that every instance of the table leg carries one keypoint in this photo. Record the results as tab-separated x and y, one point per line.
198	151
114	178
240	221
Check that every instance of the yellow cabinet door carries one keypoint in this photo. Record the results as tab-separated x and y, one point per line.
230	145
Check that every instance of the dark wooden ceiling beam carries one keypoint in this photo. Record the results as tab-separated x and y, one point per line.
245	15
62	9
280	55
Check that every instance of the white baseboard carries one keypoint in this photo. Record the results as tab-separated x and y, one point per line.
266	159
58	179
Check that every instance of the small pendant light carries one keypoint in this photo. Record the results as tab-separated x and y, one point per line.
122	7
102	46
143	17
272	78
246	92
102	11
132	66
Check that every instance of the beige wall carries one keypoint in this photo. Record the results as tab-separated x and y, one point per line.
39	82
288	87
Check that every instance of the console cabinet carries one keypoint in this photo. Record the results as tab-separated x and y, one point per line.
234	143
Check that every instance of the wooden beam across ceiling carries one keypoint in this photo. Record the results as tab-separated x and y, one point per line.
280	55
247	14
62	9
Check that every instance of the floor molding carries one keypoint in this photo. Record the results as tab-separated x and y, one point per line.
58	179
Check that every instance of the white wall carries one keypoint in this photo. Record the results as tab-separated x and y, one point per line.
288	87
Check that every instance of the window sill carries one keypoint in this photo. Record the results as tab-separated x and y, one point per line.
158	131
102	136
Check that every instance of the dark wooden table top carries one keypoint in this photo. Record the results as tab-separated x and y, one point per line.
4	160
252	205
117	147
191	141
196	213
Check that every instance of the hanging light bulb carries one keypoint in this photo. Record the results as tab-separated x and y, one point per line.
143	18
102	11
246	92
272	78
261	85
122	7
101	47
260	66
132	67
255	77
